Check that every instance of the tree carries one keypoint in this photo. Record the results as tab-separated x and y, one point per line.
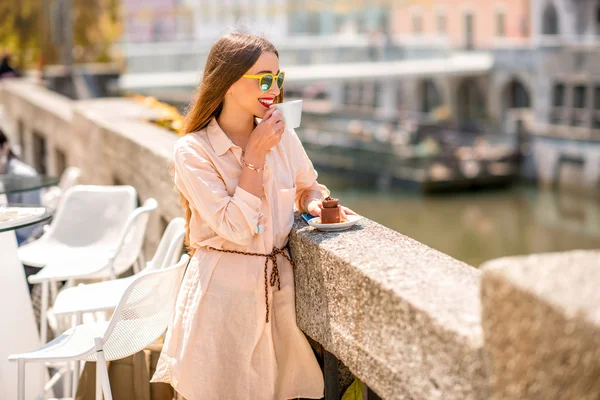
26	30
19	29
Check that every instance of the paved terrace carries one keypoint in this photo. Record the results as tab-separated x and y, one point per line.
409	321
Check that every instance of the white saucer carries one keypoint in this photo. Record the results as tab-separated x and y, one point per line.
352	220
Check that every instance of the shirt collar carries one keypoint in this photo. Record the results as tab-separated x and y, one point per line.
218	139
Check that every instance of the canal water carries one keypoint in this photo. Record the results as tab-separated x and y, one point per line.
478	225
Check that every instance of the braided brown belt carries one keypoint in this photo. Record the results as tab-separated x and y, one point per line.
274	273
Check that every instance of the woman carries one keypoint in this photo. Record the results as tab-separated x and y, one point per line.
6	71
234	333
11	165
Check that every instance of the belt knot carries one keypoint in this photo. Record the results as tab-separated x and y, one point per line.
274	278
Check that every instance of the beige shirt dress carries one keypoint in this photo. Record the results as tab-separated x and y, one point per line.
219	345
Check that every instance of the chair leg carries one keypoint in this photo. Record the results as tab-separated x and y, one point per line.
102	371
75	379
142	260
52	381
21	379
76	364
136	266
44	329
98	381
67	376
54	291
43	313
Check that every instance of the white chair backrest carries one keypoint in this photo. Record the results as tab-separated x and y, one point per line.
132	239
69	178
170	246
144	311
92	215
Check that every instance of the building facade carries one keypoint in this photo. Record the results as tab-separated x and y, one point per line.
541	87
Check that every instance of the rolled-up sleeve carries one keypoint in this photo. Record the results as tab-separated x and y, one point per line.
307	187
234	218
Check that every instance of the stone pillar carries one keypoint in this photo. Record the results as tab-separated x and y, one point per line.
27	153
541	327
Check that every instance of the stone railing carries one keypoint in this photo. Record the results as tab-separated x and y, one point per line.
409	321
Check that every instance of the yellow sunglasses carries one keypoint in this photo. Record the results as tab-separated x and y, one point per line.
265	81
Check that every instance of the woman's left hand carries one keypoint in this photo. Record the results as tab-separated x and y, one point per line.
315	206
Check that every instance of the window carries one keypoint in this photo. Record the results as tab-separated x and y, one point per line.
417	25
558	95
469	31
441	24
353	93
314	23
399	98
597	97
367	99
500	24
39	153
347	93
550	20
579	93
430	96
519	98
376	95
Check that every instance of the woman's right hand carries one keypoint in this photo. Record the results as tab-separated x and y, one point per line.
266	135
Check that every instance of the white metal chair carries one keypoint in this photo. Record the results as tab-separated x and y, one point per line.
104	261
86	216
104	296
170	246
52	195
95	262
142	315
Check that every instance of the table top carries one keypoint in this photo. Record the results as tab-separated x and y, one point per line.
14	184
16	216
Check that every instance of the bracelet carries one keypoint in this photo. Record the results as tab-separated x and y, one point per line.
250	166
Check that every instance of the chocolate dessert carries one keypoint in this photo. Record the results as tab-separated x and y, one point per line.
331	212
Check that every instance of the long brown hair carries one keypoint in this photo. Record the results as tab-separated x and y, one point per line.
230	57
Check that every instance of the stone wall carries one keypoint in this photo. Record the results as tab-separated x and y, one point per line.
403	317
106	138
409	321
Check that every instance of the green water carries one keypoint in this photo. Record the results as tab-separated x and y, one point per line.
478	226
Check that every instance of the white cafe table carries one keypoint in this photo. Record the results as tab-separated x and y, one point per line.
18	328
19	332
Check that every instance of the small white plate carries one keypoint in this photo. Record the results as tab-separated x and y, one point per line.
10	214
352	220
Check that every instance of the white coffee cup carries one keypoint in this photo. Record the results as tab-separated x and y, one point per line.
292	113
